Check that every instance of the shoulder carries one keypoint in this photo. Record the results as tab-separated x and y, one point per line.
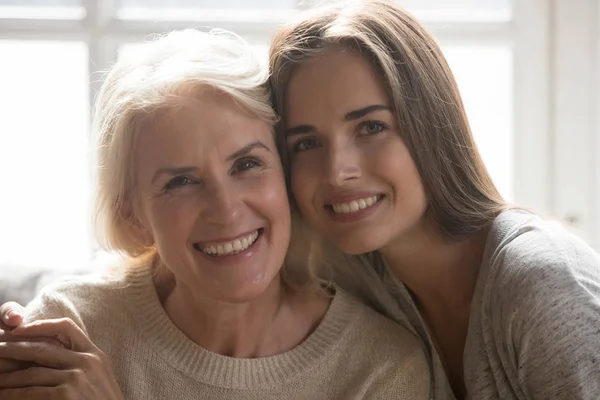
539	279
539	294
530	258
380	339
392	358
84	298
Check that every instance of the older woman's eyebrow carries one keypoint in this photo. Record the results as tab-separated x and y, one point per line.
247	149
173	171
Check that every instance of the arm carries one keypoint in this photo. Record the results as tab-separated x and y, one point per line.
11	316
553	300
75	369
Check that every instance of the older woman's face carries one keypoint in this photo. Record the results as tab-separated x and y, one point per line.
213	197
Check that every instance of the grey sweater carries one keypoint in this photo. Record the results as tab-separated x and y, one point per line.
534	329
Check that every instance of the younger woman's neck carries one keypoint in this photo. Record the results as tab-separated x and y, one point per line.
436	269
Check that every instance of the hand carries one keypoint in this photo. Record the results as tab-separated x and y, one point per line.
11	315
75	370
7	365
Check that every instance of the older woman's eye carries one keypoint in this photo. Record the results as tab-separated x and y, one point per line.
372	127
178	181
246	164
305	144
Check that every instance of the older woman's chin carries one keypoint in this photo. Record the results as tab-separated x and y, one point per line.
243	276
240	288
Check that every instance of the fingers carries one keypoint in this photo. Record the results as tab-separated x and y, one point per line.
64	329
29	393
38	376
8	336
11	314
7	365
41	353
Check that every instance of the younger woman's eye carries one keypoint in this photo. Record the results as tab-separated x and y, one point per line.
246	164
177	182
305	144
372	127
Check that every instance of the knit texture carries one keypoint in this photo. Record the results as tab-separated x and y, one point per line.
354	353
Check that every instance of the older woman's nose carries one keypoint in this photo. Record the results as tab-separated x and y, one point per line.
223	207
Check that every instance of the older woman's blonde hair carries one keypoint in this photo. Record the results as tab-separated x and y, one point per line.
153	77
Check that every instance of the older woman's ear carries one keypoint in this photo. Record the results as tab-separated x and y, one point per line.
135	225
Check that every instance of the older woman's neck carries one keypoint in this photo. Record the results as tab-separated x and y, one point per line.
274	322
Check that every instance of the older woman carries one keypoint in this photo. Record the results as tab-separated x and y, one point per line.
191	189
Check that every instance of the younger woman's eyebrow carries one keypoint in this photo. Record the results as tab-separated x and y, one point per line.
350	116
361	112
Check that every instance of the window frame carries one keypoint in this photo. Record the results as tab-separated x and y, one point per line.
539	32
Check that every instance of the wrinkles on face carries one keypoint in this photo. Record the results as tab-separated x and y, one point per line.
208	171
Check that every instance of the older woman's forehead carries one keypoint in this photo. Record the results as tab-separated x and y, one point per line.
208	106
201	127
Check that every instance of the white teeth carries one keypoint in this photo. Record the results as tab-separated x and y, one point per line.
354	205
237	245
233	247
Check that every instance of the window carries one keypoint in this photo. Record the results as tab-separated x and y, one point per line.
513	83
484	77
211	11
44	172
41	9
460	10
476	37
208	4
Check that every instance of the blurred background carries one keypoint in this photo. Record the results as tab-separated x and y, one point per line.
527	70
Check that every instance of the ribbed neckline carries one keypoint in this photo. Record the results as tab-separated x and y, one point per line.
153	324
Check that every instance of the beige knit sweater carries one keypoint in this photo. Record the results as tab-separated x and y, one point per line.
353	354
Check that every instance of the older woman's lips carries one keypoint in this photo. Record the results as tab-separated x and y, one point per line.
230	248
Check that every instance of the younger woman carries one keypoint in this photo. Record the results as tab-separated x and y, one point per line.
383	165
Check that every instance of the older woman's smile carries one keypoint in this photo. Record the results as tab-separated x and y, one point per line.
230	247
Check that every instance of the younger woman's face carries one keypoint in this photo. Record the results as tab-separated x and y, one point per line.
352	176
